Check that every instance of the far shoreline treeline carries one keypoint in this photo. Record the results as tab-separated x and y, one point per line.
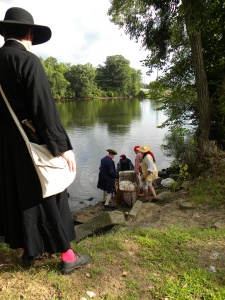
141	95
114	79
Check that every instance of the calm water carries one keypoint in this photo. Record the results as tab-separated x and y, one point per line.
96	125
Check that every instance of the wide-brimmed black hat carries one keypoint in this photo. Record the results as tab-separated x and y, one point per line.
19	16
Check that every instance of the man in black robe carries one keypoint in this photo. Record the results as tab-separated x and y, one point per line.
26	219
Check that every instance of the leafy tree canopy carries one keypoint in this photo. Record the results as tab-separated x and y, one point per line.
115	78
185	40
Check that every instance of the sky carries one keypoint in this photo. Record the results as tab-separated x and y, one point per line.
81	32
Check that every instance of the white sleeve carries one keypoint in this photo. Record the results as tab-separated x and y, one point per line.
150	165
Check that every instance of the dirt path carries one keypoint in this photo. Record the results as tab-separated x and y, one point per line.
163	215
158	215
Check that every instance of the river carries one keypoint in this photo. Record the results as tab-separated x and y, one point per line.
96	125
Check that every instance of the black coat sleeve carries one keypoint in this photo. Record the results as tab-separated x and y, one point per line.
28	91
43	108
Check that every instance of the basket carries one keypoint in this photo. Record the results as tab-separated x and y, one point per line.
128	175
129	197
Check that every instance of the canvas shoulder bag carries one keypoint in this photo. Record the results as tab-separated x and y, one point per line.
53	172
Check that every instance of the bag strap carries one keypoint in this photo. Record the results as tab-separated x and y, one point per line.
15	117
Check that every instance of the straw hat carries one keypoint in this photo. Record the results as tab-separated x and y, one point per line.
16	16
144	149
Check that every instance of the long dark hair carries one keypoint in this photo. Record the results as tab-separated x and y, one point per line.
152	155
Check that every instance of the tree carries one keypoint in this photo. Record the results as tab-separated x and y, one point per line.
117	78
114	76
193	20
55	72
82	81
136	82
170	29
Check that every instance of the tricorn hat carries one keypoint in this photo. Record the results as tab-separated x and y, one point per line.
144	149
18	16
112	151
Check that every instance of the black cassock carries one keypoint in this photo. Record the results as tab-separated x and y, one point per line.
26	219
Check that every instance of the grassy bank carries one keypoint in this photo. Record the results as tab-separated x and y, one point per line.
131	264
169	263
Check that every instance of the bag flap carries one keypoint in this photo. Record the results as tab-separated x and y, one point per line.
43	157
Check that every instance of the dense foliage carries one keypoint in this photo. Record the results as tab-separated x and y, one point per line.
117	78
186	42
114	78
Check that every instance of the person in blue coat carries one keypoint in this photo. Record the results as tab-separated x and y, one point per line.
107	176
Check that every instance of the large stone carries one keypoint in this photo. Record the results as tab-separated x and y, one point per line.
185	185
99	223
219	225
135	210
186	204
164	196
167	182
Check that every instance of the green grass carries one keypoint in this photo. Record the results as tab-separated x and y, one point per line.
210	188
132	264
179	262
209	192
155	264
